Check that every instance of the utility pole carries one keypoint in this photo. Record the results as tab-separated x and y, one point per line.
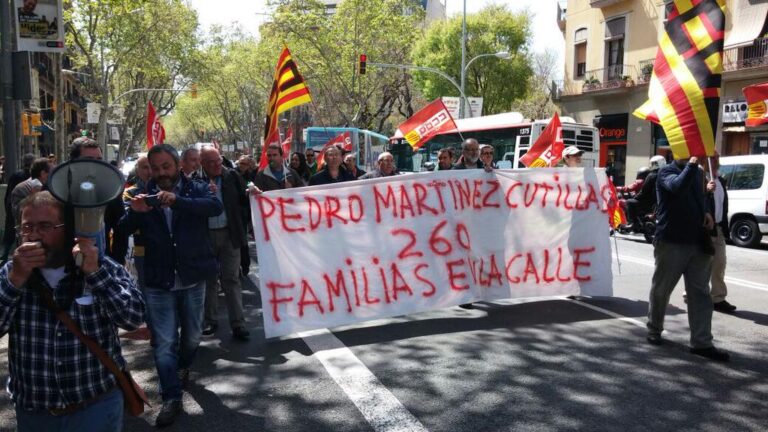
6	82
462	98
60	140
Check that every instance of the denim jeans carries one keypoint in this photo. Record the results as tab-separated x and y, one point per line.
175	319
106	415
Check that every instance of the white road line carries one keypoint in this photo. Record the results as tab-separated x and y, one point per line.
609	313
728	279
378	405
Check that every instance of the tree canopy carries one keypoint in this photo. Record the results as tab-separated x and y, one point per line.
498	82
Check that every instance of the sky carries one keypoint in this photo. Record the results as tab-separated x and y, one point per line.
250	13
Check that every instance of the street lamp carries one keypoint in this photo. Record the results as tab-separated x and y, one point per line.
501	55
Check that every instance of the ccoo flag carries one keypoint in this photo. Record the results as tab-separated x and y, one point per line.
548	148
757	101
684	91
155	129
428	122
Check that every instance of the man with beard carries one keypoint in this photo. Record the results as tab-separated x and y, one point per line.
173	218
445	159
56	382
190	162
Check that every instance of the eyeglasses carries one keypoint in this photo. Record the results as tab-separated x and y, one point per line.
42	228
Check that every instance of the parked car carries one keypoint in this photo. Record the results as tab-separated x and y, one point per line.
747	184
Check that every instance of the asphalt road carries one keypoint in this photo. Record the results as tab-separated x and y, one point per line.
529	365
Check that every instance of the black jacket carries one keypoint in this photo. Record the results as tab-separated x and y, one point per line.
323	177
711	205
234	198
681	205
646	198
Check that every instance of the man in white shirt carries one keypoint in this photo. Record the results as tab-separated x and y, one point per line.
717	200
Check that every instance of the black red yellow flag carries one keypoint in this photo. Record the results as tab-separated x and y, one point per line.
684	91
288	91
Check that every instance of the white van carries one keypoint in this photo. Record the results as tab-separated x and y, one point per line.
746	178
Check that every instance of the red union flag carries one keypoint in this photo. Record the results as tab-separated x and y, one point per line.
287	144
343	141
757	100
155	129
548	148
428	122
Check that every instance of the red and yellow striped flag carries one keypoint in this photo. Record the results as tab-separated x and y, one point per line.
288	91
684	91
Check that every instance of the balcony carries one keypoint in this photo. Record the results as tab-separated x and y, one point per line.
561	17
611	79
750	58
603	3
646	69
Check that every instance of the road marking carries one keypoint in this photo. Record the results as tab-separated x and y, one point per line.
378	405
609	313
728	279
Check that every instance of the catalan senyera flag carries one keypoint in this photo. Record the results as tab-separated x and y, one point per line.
757	103
616	215
548	148
684	91
428	122
288	91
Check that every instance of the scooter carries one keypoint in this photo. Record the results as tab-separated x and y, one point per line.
645	224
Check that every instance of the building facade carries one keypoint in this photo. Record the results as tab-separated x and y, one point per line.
609	50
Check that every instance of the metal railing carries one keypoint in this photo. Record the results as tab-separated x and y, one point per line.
748	57
615	76
645	69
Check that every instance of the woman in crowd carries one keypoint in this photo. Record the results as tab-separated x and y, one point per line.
299	164
333	171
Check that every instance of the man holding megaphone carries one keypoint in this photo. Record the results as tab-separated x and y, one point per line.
56	381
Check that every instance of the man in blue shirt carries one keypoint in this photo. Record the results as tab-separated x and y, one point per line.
682	247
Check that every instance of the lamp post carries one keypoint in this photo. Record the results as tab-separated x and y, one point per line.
465	68
422	68
463	99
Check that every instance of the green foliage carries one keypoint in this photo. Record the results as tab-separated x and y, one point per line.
492	30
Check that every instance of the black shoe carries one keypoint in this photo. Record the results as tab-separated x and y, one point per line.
724	306
184	378
654	339
712	353
240	333
467	306
210	329
169	412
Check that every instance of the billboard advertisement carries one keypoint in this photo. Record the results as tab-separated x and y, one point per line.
39	25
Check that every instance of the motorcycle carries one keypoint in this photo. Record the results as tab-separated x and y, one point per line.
644	224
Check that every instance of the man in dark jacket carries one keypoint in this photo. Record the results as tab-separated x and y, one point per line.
276	175
178	259
717	200
682	247
470	155
9	237
227	235
385	167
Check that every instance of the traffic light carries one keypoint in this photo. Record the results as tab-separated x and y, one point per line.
361	66
25	129
194	91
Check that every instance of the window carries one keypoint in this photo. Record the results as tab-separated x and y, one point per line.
614	48
744	176
580	53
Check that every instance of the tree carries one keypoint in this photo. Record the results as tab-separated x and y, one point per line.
538	103
123	44
492	30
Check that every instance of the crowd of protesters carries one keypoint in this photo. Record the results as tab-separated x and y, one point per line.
170	203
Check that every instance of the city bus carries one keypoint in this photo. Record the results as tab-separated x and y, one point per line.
366	145
508	133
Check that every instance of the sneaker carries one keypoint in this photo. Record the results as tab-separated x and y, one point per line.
724	306
654	339
210	329
240	333
183	378
711	353
467	306
168	413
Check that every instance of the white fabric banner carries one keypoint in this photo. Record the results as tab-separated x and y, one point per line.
351	252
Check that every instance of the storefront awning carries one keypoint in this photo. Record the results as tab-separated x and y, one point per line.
744	21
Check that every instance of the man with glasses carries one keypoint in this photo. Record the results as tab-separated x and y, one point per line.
470	155
227	235
311	162
385	167
56	382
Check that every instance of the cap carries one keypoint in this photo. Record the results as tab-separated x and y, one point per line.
572	151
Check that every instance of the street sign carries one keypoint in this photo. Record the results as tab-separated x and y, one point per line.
39	25
114	133
475	108
93	112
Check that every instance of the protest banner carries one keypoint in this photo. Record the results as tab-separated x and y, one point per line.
339	254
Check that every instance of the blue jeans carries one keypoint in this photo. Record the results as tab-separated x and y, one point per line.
167	313
106	415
